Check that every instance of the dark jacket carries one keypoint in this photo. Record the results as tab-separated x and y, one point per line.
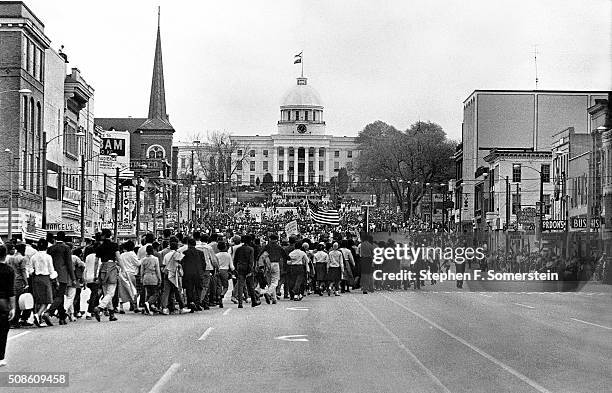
276	252
62	262
193	262
244	259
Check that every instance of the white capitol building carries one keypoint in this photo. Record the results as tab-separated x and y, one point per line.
300	152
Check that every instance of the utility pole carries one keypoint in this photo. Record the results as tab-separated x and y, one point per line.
116	213
137	232
83	199
44	180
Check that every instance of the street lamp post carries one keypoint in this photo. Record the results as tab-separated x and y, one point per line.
116	212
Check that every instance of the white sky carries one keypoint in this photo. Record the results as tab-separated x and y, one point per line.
227	64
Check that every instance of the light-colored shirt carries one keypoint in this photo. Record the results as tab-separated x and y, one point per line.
129	262
90	262
297	257
43	264
142	251
225	261
321	257
149	270
335	259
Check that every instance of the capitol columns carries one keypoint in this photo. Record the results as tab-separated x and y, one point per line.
285	164
295	164
274	166
315	157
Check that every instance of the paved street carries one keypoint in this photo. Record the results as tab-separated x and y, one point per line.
436	340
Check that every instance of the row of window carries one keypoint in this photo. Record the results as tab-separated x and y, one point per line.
281	179
303	115
281	166
33	61
31	155
517	173
311	152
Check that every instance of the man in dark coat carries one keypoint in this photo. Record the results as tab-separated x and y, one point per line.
62	263
244	263
194	270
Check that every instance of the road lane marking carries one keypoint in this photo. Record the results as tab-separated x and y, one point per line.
590	323
524	305
206	333
297	308
227	311
482	294
479	351
18	335
402	346
158	387
293	338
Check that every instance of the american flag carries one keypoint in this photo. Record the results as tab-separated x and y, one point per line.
321	216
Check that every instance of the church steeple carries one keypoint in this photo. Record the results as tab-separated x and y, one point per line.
157	102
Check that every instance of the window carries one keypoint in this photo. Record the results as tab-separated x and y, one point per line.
321	152
281	151
183	162
252	166
545	173
311	152
281	165
281	178
320	178
297	115
516	173
156	152
349	154
252	153
336	166
546	199
239	166
516	203
321	165
337	154
291	151
239	179
265	153
306	113
310	166
265	166
239	153
252	180
70	139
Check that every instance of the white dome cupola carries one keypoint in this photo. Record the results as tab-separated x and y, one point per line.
301	110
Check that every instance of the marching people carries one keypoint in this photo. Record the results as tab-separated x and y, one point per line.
151	279
62	262
348	266
278	257
321	260
298	260
173	279
365	250
18	262
107	266
335	269
226	266
194	268
42	291
244	261
7	301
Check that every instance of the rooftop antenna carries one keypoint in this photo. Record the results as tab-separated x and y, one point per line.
535	60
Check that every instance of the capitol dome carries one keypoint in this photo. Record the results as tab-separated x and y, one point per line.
302	95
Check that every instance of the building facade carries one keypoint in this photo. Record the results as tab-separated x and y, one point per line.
512	119
22	87
300	152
